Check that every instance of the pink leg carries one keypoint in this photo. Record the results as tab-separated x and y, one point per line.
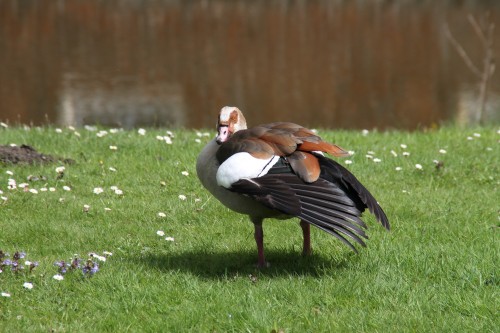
306	231
259	239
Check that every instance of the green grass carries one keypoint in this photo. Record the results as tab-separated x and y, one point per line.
436	271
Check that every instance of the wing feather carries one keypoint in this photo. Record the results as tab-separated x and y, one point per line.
334	203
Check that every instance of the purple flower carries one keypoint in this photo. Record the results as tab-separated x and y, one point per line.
19	255
94	269
62	266
75	263
7	262
90	268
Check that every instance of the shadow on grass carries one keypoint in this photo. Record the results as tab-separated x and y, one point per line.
215	265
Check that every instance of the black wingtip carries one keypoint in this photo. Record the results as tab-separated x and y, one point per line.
367	199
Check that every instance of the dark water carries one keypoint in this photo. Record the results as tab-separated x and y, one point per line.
358	64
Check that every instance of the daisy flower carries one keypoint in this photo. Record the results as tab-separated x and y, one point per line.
98	190
28	285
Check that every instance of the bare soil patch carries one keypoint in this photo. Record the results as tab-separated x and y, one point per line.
25	154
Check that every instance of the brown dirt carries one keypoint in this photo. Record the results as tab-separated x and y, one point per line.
27	155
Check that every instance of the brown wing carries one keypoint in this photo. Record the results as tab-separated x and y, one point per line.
305	165
260	142
281	139
309	141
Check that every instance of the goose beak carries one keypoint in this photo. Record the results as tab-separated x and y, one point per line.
222	135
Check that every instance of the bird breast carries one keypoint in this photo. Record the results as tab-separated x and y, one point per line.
207	168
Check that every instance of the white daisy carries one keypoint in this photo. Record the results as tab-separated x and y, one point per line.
98	190
28	285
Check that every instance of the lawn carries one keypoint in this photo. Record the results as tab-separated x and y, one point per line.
181	262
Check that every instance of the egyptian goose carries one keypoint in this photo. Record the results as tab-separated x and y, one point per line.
278	170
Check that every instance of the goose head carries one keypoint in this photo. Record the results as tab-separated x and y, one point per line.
231	120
